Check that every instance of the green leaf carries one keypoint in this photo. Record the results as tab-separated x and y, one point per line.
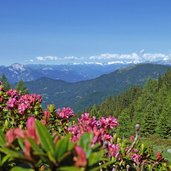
45	139
70	168
21	143
21	169
85	143
35	147
12	153
102	166
5	159
95	158
64	145
2	138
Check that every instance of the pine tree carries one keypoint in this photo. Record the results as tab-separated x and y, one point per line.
21	88
5	83
164	126
149	121
125	125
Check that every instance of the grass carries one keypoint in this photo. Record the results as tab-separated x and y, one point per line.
159	144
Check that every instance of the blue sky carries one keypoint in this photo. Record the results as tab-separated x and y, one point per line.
54	31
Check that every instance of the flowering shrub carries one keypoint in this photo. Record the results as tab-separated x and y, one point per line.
33	138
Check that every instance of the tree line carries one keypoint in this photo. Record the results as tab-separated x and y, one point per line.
150	106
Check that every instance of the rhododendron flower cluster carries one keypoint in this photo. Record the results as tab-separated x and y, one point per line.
114	149
22	103
100	129
97	127
109	122
27	102
12	93
65	113
136	158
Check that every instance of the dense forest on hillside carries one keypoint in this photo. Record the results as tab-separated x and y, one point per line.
149	106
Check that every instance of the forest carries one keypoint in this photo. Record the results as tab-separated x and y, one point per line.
150	106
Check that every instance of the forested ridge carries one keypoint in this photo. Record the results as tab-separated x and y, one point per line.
149	106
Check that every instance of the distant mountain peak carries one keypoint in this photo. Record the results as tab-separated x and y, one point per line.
17	67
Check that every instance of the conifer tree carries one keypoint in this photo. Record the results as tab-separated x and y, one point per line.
164	126
125	125
149	121
5	82
21	88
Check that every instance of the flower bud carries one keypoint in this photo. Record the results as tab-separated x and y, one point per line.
115	137
118	140
36	112
142	148
149	167
51	108
137	127
6	124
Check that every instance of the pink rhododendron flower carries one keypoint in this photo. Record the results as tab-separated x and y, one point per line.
136	158
87	121
19	133
43	121
76	132
113	149
98	135
28	101
12	93
13	134
27	149
46	115
80	158
10	136
65	113
99	128
12	102
135	150
107	137
131	138
31	131
109	122
22	108
1	99
159	156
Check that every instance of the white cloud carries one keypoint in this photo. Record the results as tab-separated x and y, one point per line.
31	60
46	58
106	58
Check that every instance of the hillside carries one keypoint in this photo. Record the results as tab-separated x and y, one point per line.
149	106
82	94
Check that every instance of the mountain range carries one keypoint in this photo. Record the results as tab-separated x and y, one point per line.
69	73
82	94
